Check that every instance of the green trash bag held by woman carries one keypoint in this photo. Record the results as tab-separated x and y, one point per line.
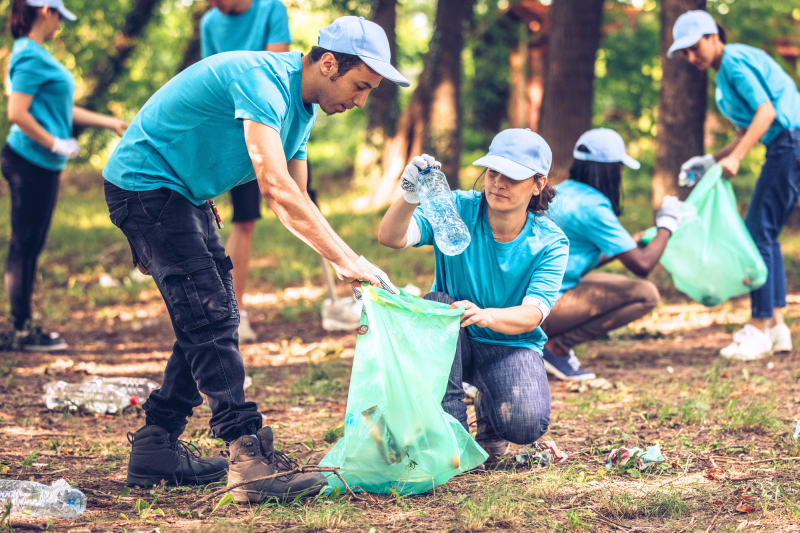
712	257
396	435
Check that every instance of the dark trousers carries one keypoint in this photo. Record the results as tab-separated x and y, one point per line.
512	380
774	198
34	191
179	244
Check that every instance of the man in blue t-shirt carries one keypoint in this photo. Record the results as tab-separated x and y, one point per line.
230	26
227	120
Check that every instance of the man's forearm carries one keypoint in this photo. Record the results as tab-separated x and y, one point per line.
335	236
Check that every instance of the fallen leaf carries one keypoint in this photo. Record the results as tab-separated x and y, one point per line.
714	474
745	508
717	502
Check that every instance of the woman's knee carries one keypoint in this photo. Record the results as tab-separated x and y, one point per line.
440	297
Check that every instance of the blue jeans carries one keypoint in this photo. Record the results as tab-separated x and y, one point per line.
180	246
512	380
776	194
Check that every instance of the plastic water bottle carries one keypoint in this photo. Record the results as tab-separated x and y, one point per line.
449	231
34	499
98	394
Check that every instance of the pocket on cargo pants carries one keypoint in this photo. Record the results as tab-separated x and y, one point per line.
195	293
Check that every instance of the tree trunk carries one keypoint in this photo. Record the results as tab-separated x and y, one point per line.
681	107
382	108
569	85
432	120
193	51
104	73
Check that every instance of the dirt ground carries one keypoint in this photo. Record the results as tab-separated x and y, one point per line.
663	382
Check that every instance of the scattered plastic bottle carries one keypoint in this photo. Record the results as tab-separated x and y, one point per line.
451	234
34	499
98	394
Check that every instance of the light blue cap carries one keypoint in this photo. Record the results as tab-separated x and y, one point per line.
518	154
365	39
55	4
605	146
689	28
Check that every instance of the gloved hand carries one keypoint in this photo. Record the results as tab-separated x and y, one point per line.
408	180
669	216
386	284
67	147
698	165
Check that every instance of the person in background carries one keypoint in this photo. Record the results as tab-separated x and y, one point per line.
593	303
42	114
506	281
254	25
763	103
228	119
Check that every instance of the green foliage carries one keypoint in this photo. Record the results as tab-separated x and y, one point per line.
145	510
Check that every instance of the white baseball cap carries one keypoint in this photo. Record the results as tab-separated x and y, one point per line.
365	39
55	4
689	28
518	154
605	146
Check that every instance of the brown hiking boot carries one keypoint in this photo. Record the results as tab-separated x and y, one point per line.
252	458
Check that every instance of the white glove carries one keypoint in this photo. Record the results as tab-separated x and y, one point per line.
408	180
669	216
67	147
698	165
386	284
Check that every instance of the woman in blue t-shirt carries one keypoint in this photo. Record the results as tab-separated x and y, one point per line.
763	103
41	111
507	280
591	304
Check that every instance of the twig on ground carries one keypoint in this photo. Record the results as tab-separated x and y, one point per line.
607	520
299	470
728	460
711	458
721	507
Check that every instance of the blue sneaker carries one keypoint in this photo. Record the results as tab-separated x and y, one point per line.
565	368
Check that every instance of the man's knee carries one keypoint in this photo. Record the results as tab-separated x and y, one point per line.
246	228
647	293
440	297
521	424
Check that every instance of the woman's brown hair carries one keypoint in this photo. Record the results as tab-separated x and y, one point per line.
539	203
22	18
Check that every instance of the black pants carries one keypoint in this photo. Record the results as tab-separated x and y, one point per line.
180	246
34	191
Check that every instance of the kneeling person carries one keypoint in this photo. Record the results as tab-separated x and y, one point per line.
229	119
592	303
506	280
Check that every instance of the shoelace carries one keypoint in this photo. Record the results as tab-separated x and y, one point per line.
281	461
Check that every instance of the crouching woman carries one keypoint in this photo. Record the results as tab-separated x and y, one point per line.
506	280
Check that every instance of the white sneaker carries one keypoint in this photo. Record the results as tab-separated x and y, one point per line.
246	333
781	338
749	344
341	315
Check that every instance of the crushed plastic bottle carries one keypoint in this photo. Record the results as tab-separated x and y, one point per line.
98	394
451	234
34	499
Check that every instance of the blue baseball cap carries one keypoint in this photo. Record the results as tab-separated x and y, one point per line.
689	28
605	146
55	4
365	39
518	154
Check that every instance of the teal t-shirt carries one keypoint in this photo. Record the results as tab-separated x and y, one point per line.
748	78
593	230
33	71
266	22
493	274
189	136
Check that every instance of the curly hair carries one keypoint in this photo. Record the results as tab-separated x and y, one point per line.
345	62
539	203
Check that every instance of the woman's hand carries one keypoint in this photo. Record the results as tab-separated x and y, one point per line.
730	166
474	315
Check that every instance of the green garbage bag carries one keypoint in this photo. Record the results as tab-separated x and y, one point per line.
712	256
396	435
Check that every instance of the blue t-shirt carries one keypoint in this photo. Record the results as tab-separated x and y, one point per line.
33	71
593	230
266	22
748	78
189	136
500	275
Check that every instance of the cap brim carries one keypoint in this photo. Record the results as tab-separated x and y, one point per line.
630	162
386	70
506	167
66	13
684	42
